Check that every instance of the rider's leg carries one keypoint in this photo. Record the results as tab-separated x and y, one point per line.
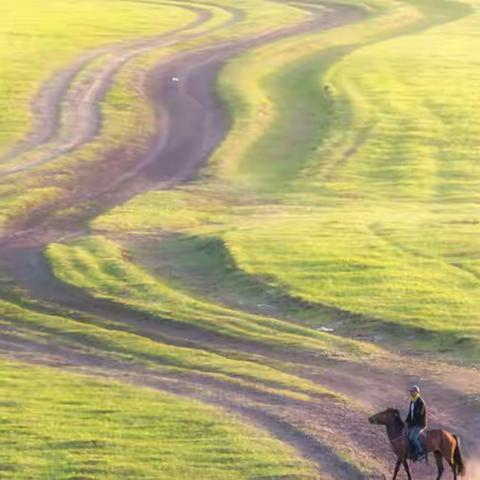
412	437
416	439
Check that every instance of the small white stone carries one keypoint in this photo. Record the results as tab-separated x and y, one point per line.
326	329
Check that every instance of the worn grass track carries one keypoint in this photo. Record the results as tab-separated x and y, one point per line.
38	38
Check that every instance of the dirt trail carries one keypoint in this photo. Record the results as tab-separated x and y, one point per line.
47	104
445	389
193	125
376	388
191	121
283	418
67	108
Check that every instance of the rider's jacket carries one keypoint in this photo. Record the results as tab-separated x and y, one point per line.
419	417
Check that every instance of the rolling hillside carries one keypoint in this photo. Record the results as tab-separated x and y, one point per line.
231	231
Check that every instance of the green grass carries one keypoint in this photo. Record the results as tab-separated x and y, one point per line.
370	261
65	426
402	126
430	158
279	106
126	113
400	135
112	340
355	209
364	203
356	261
99	266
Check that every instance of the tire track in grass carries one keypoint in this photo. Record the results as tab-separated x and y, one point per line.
47	104
77	103
33	272
191	122
375	389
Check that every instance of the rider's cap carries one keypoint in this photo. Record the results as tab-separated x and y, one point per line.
415	388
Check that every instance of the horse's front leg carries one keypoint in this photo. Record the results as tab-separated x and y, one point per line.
397	468
407	469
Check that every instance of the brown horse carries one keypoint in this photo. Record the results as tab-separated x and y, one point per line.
443	444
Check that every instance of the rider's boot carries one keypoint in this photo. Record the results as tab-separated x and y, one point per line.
414	453
419	454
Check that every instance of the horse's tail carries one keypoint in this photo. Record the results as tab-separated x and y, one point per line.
457	457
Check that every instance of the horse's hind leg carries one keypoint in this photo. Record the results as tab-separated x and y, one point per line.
407	469
439	460
454	470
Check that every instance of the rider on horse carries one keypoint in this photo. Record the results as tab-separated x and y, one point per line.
416	422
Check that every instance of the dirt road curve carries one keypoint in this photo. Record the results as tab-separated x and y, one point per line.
190	124
77	103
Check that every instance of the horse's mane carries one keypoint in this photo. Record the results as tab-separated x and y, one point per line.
396	415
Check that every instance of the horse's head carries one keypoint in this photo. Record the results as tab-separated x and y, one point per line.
386	417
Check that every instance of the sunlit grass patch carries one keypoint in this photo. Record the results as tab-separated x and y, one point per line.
109	340
380	262
184	209
99	266
414	132
281	104
59	425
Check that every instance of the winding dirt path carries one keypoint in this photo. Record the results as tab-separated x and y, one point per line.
190	124
191	121
376	387
68	107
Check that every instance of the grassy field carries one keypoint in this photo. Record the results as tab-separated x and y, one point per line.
108	339
59	425
98	265
377	217
125	110
394	238
336	226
